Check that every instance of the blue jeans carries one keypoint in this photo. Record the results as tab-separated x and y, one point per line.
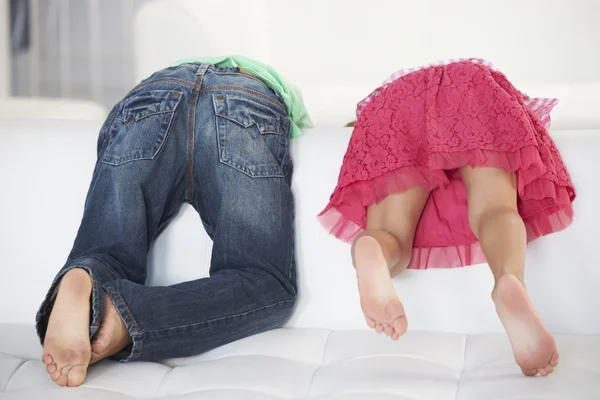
219	140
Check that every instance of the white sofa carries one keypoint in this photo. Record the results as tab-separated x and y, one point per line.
50	108
455	347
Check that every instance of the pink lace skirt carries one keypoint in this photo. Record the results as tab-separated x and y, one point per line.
424	125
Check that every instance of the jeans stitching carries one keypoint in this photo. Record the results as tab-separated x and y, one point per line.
138	156
128	313
246	74
157	80
220	318
242	89
192	132
265	132
128	316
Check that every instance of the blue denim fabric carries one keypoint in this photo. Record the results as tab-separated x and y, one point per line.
215	138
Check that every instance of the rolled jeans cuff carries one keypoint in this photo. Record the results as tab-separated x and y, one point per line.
99	273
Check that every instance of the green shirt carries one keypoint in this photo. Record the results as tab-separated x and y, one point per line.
291	96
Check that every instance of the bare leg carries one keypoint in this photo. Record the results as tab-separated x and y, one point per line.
382	252
494	219
67	343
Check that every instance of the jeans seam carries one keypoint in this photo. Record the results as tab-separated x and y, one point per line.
138	156
248	74
251	175
128	316
170	80
218	319
293	241
191	143
114	113
245	90
127	311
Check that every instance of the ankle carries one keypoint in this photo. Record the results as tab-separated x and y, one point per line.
502	277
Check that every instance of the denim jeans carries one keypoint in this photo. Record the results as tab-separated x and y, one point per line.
219	140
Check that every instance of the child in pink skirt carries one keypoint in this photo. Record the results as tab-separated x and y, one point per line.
449	165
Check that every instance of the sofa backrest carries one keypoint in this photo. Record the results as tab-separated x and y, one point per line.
46	167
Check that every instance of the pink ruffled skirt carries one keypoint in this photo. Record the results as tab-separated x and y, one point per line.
422	127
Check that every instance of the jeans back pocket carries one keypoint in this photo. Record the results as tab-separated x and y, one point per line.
253	136
140	130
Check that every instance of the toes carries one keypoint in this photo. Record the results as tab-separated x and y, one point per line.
389	330
55	375
554	359
47	359
547	370
76	376
400	326
50	368
379	328
395	336
530	372
68	376
62	378
370	322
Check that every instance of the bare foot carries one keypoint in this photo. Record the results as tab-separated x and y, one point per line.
112	336
379	301
67	342
533	345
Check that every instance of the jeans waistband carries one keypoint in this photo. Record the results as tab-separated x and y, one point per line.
199	68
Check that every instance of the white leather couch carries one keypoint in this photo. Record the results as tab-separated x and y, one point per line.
455	347
50	108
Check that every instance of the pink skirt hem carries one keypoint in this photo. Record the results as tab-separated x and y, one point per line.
544	204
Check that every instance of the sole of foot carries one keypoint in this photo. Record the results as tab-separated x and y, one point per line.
380	303
533	345
67	348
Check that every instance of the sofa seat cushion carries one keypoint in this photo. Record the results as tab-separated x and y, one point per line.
316	364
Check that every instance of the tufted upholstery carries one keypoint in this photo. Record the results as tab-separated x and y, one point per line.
455	348
321	364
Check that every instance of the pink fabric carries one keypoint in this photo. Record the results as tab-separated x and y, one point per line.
539	105
422	127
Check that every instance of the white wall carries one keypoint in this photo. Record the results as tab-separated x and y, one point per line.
337	51
334	50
